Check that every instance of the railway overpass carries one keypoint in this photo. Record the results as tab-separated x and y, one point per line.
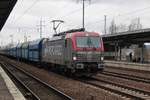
6	7
115	42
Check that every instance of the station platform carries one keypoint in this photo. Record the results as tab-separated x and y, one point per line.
131	65
8	90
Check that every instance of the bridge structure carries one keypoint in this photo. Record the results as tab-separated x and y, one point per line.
115	42
6	7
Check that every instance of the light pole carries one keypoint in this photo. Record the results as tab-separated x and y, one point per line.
105	18
40	27
11	36
83	12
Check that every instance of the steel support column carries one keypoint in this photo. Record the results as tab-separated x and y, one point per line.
116	50
120	56
142	53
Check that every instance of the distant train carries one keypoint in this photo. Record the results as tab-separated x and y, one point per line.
74	52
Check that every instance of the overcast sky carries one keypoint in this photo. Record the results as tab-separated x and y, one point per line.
26	16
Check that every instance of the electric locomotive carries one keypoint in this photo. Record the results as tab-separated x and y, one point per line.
75	51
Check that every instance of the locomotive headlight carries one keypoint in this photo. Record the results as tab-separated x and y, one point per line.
74	58
102	58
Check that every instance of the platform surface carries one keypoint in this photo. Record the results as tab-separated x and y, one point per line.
131	65
8	90
4	92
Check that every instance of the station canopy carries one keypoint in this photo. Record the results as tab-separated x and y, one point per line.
6	7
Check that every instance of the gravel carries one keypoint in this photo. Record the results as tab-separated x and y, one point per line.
126	82
71	87
128	71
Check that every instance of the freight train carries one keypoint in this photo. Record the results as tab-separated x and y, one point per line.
75	52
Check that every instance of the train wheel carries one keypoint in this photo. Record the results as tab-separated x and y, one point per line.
67	72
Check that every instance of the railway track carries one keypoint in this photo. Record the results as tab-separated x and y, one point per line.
126	76
34	88
124	91
127	69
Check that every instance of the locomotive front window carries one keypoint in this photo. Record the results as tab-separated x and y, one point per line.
88	41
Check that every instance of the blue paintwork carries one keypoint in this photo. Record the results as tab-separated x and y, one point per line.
18	50
30	51
35	48
24	51
12	51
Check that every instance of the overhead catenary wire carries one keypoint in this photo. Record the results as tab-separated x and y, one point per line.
31	7
26	11
76	10
119	15
71	12
68	14
123	14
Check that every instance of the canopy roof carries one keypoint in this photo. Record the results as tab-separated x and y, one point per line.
6	7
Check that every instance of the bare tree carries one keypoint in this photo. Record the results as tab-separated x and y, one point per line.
113	27
122	28
135	24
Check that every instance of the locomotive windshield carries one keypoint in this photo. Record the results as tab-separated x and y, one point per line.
88	41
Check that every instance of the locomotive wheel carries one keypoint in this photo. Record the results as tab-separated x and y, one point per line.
68	72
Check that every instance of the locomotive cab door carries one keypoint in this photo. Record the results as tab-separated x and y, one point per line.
68	51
